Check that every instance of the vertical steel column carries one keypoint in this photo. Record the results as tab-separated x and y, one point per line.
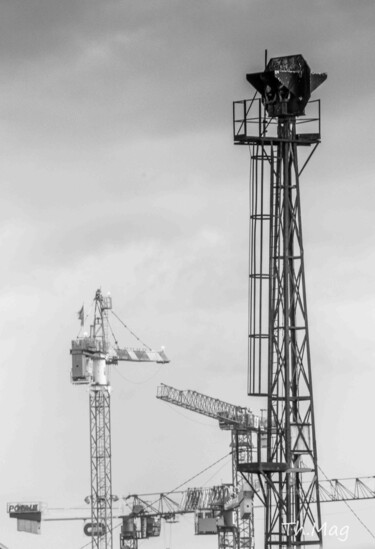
101	473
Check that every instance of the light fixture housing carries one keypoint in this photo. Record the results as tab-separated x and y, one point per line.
286	85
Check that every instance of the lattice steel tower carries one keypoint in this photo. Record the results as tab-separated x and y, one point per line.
278	131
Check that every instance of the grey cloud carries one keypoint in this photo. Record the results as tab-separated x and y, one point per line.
132	69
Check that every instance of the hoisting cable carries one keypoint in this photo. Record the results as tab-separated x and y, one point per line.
200	473
111	330
193	477
86	545
132	333
214	474
349	507
189	479
117	370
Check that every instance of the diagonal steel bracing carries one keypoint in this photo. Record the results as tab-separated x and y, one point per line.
101	474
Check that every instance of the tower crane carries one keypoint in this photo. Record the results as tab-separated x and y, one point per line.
92	356
144	519
246	428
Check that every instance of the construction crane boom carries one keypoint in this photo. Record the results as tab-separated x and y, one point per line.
167	505
228	415
215	508
347	489
330	491
184	501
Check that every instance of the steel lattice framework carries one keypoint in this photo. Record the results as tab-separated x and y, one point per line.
101	472
242	441
168	505
290	397
279	350
100	431
229	415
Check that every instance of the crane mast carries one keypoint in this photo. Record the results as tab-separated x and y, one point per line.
279	349
100	429
91	358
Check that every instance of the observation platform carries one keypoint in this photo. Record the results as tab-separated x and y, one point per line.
252	124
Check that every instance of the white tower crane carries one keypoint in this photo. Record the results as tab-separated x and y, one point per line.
91	357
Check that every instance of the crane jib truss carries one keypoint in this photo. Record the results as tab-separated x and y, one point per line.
229	415
168	505
218	499
206	498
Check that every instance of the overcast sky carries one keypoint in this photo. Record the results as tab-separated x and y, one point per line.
118	171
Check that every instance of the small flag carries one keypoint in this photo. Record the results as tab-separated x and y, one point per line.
81	315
